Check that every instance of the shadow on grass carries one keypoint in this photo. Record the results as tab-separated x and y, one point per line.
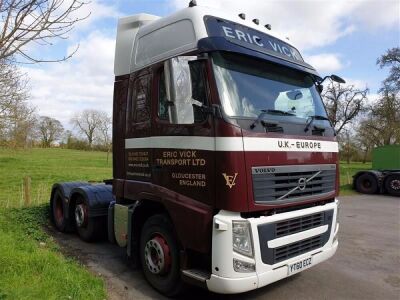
30	219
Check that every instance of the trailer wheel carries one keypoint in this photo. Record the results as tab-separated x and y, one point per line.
159	255
89	228
392	184
57	210
366	184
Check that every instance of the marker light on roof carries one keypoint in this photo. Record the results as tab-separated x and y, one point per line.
242	16
268	26
192	3
256	21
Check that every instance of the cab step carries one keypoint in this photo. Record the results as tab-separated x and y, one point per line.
196	276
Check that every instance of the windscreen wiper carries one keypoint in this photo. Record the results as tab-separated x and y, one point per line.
312	118
270	112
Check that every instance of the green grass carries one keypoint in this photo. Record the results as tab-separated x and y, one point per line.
45	167
31	265
346	176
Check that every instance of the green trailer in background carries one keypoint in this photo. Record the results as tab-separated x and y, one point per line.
385	174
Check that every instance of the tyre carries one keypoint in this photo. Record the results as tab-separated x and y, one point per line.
159	255
366	184
58	212
89	229
392	184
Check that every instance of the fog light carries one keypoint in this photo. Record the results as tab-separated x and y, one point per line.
243	267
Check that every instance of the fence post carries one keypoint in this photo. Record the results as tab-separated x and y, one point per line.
27	190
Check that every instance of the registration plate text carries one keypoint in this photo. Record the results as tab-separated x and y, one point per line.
299	266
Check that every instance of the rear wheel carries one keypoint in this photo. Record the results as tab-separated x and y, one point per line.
392	184
57	210
159	255
366	184
89	228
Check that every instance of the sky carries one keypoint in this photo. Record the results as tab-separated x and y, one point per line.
344	37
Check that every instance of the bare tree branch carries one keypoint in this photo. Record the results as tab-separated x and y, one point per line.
23	22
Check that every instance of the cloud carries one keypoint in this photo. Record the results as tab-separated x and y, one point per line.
325	62
86	81
310	24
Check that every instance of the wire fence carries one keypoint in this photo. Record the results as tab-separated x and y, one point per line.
25	194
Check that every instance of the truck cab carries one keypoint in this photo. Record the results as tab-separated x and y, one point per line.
225	164
219	124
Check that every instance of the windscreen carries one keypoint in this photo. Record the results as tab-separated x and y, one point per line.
248	87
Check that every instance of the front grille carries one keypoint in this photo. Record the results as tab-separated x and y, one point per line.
271	231
295	225
291	183
298	248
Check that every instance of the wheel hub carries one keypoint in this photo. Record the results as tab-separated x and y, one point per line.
80	215
395	184
367	183
157	255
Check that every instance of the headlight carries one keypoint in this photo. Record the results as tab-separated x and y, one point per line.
241	238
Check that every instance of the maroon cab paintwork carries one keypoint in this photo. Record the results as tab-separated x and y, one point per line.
192	208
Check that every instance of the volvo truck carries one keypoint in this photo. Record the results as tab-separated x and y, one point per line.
225	164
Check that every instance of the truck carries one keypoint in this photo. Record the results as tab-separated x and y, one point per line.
225	164
384	177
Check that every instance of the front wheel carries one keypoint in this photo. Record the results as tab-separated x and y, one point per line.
159	255
392	184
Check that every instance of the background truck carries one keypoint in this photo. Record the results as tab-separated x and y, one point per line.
225	165
385	174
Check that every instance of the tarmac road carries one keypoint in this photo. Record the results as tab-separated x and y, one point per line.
366	265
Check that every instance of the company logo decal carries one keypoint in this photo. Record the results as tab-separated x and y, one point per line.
230	179
302	183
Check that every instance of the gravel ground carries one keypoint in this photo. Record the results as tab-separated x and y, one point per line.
366	265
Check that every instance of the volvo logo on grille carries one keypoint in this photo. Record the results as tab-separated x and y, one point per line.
302	183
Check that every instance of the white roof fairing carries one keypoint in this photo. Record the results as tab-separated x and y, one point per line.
144	39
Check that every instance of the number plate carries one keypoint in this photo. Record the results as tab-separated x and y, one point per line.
299	266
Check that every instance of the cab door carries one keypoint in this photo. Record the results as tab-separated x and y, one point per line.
183	160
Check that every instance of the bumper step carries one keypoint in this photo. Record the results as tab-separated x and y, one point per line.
199	275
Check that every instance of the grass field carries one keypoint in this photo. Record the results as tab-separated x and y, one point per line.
45	167
31	265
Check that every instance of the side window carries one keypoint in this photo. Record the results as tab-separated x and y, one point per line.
162	98
141	100
189	91
199	89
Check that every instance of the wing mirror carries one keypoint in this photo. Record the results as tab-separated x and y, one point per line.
333	77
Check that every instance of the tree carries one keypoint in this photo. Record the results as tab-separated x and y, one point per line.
49	130
364	139
27	22
105	133
343	104
89	123
382	126
17	117
391	59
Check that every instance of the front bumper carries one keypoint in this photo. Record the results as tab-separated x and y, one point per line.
225	280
